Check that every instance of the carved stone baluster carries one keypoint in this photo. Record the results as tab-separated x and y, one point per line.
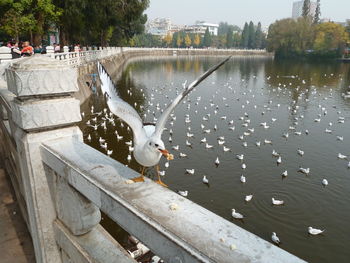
43	110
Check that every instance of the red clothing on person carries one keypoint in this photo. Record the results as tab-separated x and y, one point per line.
27	50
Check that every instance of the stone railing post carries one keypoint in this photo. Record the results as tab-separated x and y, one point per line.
43	110
5	54
50	51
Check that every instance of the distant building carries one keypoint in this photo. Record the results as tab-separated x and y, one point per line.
159	26
200	27
298	9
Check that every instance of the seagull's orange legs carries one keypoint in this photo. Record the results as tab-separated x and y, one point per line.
140	178
159	181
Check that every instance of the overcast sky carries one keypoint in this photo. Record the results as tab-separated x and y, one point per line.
238	11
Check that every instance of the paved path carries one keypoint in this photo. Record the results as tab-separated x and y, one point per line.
15	242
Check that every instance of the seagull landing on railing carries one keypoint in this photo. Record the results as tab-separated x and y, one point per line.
149	146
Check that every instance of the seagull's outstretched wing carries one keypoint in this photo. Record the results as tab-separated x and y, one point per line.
118	106
164	117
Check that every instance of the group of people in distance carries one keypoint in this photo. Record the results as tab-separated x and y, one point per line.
26	50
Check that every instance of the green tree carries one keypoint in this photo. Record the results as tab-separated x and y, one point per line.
236	39
28	18
317	13
245	36
207	38
229	39
258	37
251	35
306	8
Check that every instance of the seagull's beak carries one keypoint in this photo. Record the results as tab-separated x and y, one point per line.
164	152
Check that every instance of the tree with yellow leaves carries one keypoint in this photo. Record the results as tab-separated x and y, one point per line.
168	39
188	41
197	40
329	38
179	41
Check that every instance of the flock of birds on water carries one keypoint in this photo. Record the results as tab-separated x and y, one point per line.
106	121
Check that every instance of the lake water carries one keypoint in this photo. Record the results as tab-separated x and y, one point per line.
288	96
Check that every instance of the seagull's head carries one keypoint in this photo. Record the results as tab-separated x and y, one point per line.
157	145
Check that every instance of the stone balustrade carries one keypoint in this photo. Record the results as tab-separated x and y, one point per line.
63	184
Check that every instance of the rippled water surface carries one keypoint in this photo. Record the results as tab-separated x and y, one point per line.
252	91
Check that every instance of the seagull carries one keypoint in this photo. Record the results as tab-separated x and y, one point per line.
300	152
243	180
279	160
285	173
275	238
183	193
149	147
217	161
236	215
205	180
304	170
240	156
190	171
277	202
182	155
248	198
341	156
315	231
324	182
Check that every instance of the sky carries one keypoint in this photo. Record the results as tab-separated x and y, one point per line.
237	12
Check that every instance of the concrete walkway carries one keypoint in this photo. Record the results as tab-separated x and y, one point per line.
15	241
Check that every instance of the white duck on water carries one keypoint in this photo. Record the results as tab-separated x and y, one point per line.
149	147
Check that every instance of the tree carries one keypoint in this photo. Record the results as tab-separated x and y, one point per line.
245	36
28	18
330	38
236	39
229	39
179	40
306	8
207	38
317	12
168	39
188	41
197	40
258	37
251	35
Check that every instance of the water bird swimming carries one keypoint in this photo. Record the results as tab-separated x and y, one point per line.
324	182
275	238
248	198
236	215
314	231
205	179
277	202
149	146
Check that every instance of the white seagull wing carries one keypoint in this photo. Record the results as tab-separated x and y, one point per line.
160	125
118	106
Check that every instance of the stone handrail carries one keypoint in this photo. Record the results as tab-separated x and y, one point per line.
62	184
173	227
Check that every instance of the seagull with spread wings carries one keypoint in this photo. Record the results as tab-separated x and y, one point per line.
148	145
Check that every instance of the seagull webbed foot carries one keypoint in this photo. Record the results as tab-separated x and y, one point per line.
160	183
138	179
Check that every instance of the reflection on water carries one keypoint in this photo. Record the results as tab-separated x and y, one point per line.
249	92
